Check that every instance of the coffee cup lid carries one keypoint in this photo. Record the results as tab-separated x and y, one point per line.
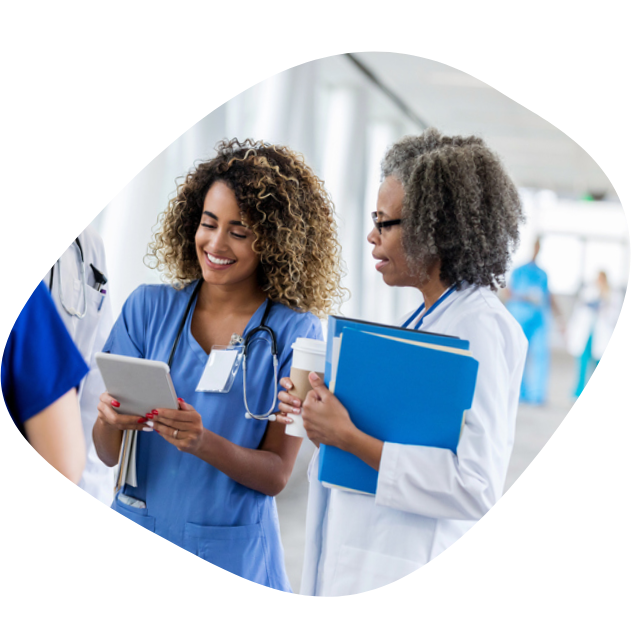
310	345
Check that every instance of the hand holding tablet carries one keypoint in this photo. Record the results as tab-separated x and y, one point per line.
138	385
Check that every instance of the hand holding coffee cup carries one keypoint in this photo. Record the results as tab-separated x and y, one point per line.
309	356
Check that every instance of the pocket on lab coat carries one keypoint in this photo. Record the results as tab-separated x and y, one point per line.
239	549
360	570
136	514
95	299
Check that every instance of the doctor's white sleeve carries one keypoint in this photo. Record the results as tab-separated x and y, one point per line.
97	478
94	385
435	483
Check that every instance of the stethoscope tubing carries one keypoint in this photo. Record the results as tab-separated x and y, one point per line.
249	337
71	310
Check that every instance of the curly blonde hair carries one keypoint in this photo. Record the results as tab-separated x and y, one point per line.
285	205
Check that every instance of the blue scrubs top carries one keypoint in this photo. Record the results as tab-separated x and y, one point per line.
533	315
189	502
530	281
40	362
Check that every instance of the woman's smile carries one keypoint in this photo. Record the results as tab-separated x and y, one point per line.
217	262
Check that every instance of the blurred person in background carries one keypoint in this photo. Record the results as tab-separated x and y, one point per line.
78	285
41	369
447	220
591	326
529	300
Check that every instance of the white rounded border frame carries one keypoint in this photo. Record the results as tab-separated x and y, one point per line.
144	124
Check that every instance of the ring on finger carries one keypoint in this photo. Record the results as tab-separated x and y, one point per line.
175	433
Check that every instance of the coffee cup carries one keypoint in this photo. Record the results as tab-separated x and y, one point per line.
309	356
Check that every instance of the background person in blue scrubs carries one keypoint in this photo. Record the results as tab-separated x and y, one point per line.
256	225
41	369
529	300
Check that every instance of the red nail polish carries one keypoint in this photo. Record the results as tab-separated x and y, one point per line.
142	420
115	404
181	400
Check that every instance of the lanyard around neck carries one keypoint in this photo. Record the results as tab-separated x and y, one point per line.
443	297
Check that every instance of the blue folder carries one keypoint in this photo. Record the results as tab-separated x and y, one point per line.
337	325
400	393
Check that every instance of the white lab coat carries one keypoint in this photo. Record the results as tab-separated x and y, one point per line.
89	334
426	497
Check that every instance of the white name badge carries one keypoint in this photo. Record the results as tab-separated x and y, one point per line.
221	368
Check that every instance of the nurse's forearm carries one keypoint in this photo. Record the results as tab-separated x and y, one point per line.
261	470
107	442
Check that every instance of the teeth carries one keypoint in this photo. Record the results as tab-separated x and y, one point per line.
219	261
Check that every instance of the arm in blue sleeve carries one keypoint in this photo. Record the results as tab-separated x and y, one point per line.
41	362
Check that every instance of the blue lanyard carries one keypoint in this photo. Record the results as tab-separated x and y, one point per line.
446	295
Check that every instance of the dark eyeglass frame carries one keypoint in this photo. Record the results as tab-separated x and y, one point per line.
379	225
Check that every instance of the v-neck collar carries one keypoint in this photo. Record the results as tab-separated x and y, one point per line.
254	321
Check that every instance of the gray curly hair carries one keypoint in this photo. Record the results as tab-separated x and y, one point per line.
460	207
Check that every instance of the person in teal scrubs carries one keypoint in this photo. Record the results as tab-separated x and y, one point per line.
591	326
249	234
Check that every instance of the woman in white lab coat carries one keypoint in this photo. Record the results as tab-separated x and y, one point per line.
447	220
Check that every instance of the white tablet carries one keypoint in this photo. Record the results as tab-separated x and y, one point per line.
138	384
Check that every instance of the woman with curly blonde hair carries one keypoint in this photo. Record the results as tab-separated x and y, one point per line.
248	241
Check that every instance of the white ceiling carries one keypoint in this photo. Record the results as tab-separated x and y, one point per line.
536	153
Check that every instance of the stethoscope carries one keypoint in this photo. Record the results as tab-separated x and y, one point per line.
71	310
246	341
99	279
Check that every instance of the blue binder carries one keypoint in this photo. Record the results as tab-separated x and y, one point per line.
400	393
337	324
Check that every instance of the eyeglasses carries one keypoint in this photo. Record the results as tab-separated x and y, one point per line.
379	225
